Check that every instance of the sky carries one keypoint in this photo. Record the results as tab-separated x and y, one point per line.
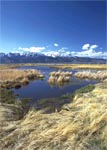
54	27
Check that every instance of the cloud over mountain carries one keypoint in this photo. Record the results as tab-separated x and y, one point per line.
87	50
32	49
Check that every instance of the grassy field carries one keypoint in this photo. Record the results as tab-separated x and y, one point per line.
14	66
82	66
74	122
56	65
9	66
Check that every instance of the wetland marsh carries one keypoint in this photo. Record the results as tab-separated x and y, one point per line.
34	89
56	113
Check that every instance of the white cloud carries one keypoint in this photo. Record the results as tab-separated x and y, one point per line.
85	46
93	46
61	52
88	47
51	53
56	45
87	51
90	53
17	52
63	49
32	49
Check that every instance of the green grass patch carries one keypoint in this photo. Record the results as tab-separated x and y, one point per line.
85	89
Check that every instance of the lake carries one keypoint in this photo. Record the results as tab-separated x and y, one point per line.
39	89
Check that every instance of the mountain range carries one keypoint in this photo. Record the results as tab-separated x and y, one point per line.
41	58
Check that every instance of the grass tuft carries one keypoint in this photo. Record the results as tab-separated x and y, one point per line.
13	78
59	77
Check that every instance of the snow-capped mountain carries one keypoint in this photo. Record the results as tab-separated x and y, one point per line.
48	57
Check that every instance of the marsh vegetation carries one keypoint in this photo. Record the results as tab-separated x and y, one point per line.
99	75
59	77
76	120
14	78
56	65
81	66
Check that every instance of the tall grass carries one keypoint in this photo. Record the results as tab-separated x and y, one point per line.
100	75
57	77
13	77
81	127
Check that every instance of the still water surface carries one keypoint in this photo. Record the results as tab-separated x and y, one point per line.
39	89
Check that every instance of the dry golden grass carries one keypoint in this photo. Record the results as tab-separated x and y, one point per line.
56	65
81	127
81	66
100	75
9	66
14	77
13	74
14	66
57	77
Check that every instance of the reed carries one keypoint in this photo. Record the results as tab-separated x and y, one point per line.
15	78
99	75
52	79
25	81
59	77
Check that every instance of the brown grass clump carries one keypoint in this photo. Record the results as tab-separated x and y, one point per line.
81	127
59	77
15	78
100	75
52	79
25	81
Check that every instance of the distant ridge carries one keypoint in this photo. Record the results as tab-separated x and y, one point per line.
41	58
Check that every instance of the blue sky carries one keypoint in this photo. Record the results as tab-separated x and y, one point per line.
66	27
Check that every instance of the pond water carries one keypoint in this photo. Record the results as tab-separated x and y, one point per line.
39	89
